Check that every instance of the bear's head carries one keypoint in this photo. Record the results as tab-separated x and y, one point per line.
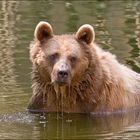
62	59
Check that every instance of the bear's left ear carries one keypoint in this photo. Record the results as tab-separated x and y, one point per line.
43	31
86	33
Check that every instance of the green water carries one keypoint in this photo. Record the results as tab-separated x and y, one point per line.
117	26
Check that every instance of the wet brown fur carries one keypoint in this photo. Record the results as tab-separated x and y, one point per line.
100	88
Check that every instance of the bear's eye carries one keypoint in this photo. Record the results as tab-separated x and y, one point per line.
53	57
73	59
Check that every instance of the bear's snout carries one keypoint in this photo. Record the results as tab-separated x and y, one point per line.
62	76
61	73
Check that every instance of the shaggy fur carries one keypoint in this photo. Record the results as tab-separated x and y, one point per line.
99	82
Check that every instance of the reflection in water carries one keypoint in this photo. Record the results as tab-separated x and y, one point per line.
133	33
72	20
117	26
9	90
87	127
97	11
71	126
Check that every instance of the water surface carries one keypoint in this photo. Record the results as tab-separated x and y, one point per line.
117	26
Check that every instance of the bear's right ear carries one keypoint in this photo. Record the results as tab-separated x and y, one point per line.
43	31
86	33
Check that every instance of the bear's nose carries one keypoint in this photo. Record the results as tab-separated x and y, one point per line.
63	74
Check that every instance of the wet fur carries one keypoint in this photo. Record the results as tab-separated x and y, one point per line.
101	88
105	86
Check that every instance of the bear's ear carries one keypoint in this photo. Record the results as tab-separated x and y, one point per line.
43	31
86	33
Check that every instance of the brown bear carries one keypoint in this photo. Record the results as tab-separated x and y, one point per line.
72	74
